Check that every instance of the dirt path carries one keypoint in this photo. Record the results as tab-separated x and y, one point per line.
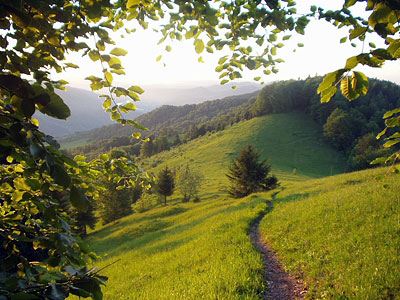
280	285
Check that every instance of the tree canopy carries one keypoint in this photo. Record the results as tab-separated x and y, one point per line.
36	37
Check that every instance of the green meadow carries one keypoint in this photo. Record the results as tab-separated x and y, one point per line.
340	233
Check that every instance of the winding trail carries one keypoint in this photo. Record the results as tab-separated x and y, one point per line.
280	285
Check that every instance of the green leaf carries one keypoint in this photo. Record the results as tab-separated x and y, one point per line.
159	58
380	134
71	65
330	79
60	176
78	199
119	51
199	46
115	62
351	63
115	115
94	55
136	89
107	103
28	107
224	81
392	122
390	113
168	48
130	106
391	143
360	83
356	32
343	40
108	77
347	90
328	93
42	99
394	48
131	3
56	108
118	71
379	160
11	82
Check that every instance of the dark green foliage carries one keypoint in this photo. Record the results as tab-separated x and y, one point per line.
147	149
113	203
344	122
84	219
339	129
366	150
166	183
137	192
161	144
248	175
177	140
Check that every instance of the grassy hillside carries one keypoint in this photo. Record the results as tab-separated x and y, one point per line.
183	251
291	142
341	233
201	250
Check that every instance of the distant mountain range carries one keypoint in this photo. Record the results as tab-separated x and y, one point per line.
87	112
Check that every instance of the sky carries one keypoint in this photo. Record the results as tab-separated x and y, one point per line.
322	53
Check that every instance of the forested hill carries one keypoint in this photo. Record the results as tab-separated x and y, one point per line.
350	127
167	118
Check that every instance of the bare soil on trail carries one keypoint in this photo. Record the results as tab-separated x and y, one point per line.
280	285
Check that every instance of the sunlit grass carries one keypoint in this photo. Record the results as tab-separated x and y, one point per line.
342	233
183	251
201	250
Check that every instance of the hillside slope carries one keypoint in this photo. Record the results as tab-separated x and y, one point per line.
175	118
292	143
341	234
202	251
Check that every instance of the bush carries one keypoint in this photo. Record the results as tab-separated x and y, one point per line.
143	204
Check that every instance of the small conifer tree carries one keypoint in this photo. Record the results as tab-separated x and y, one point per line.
248	175
166	184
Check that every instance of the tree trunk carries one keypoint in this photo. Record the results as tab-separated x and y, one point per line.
165	200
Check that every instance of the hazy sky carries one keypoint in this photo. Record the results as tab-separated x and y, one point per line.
322	53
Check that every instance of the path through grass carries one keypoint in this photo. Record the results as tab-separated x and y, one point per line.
342	233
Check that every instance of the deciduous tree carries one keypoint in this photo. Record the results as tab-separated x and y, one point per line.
188	182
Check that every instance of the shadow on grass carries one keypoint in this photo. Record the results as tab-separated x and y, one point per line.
120	224
290	198
103	244
152	231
